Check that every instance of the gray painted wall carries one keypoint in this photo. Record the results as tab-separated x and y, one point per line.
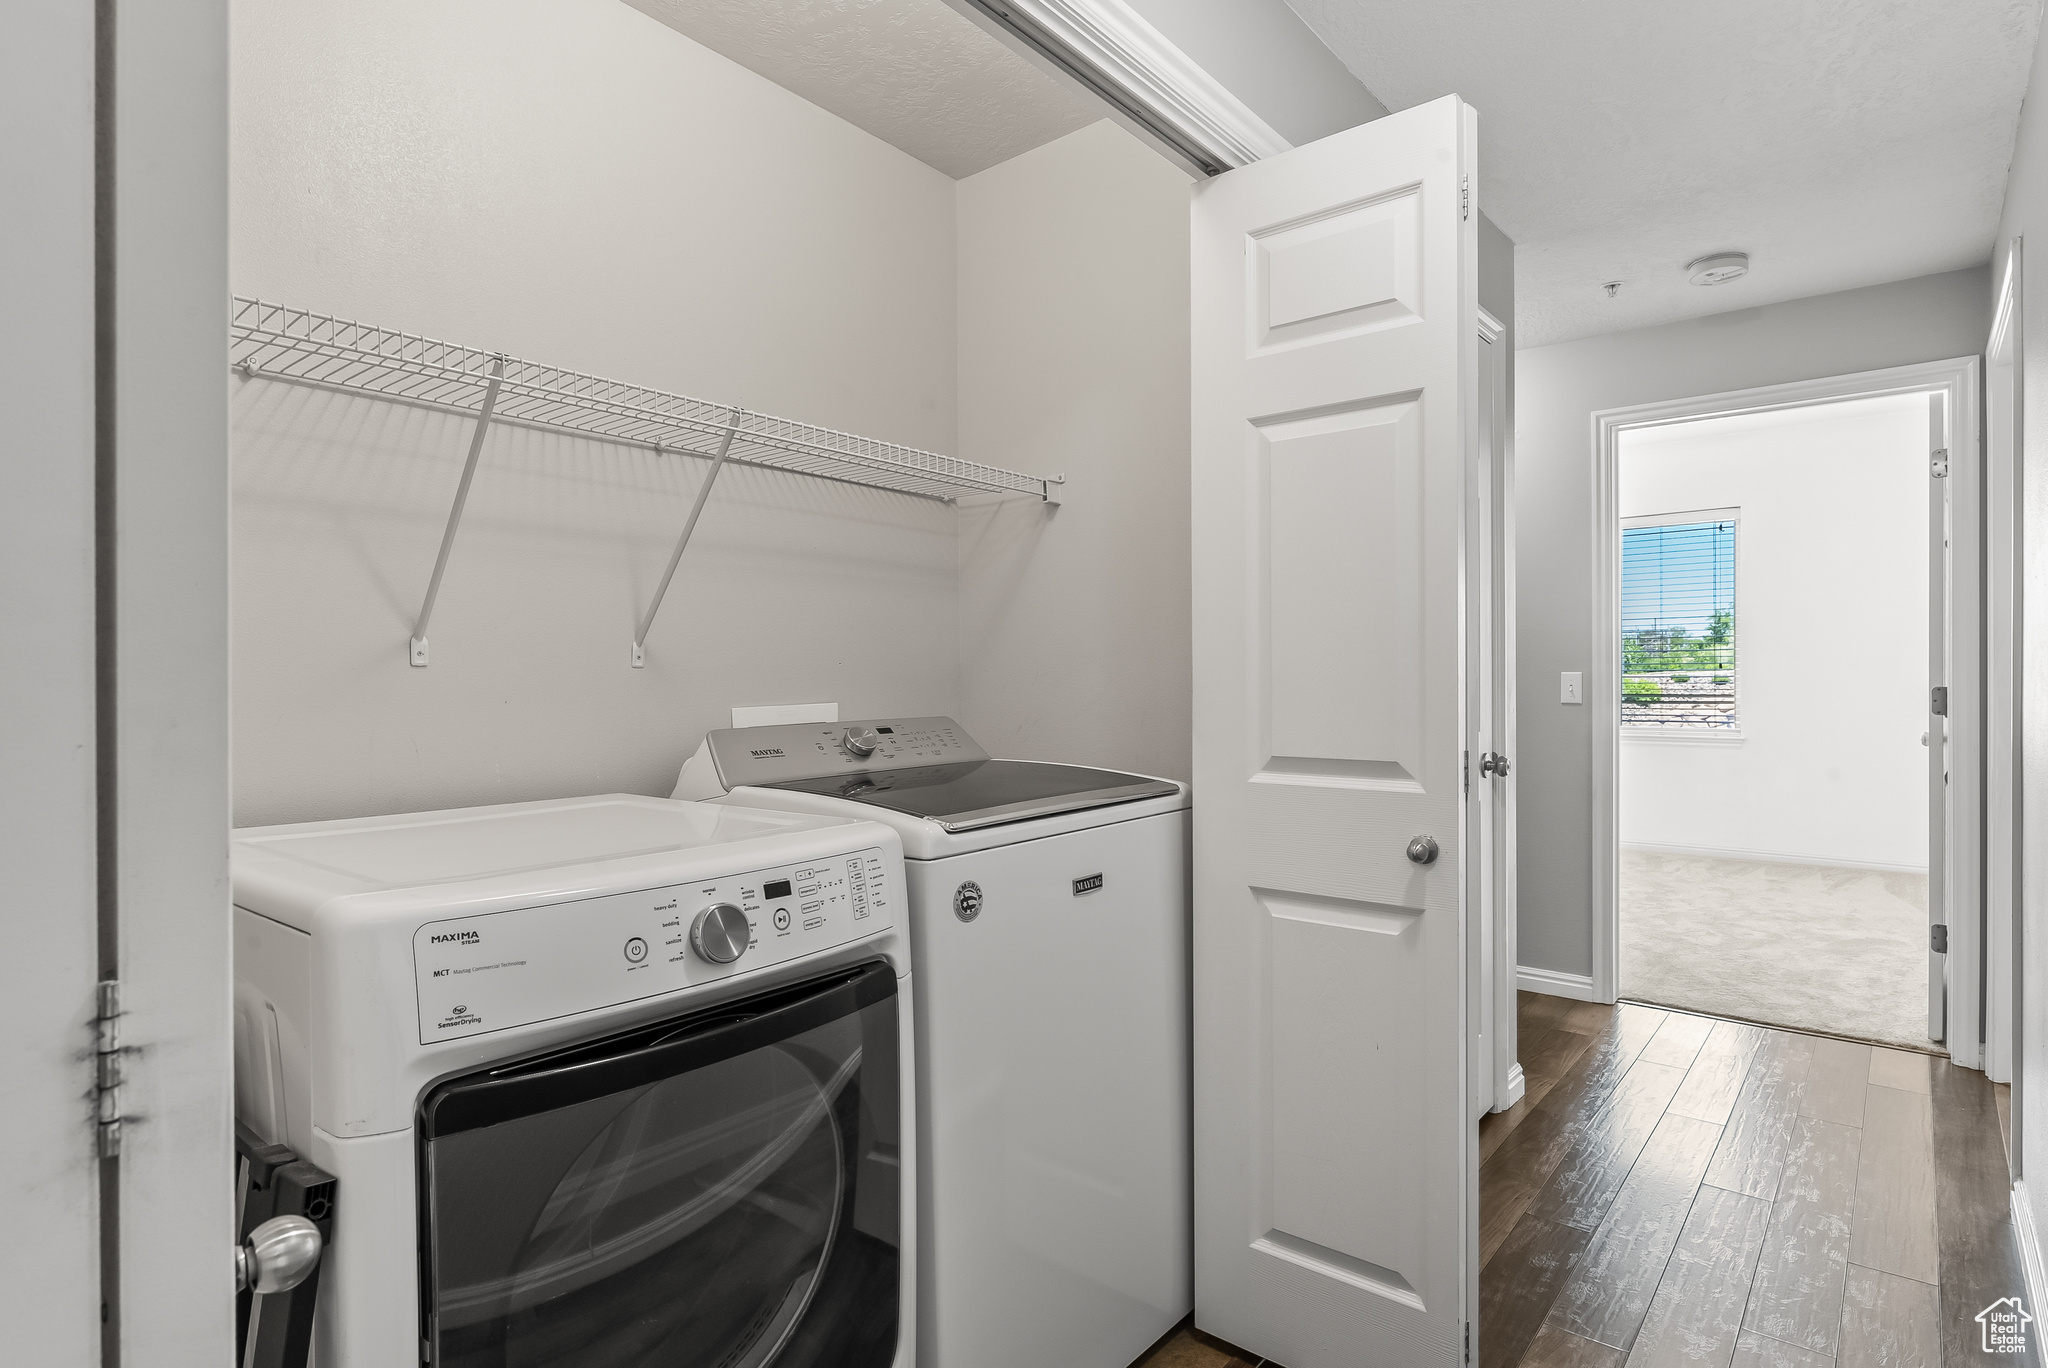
1074	622
589	188
1559	388
1060	332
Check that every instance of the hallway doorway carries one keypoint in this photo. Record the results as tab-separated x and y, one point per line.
1788	766
1773	796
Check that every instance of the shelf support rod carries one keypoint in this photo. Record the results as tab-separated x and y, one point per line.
417	652
676	556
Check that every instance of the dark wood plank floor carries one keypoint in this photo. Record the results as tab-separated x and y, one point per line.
1187	1347
1676	1190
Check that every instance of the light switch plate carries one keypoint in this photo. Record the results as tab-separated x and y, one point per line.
781	714
1571	686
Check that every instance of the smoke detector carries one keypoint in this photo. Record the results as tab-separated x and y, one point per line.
1718	269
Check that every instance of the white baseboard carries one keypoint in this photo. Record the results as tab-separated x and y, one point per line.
1555	984
1771	857
1518	1088
2030	1244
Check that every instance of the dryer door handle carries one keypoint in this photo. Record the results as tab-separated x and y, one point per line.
649	1054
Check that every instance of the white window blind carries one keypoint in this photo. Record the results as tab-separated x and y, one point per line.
1678	633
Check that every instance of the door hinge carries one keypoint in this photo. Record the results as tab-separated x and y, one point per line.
1937	938
107	1067
1938	466
1464	198
1937	700
1468	771
1468	1341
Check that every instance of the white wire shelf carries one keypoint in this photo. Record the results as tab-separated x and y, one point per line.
280	343
297	345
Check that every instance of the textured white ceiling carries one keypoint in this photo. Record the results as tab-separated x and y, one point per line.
1839	142
912	72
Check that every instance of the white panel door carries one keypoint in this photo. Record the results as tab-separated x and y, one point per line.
49	926
2004	683
1938	552
1497	1080
1335	336
1956	771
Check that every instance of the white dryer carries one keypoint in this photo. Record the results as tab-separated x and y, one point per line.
1049	931
606	1082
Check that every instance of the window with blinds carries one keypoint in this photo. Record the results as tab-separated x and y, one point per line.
1678	622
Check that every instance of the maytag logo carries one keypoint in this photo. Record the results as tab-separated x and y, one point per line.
455	937
1087	884
764	754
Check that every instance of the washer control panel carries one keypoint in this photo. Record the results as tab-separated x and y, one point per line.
810	750
497	970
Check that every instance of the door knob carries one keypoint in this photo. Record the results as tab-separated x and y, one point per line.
277	1256
1422	850
1495	764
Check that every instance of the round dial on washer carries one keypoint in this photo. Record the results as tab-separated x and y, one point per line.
720	933
860	741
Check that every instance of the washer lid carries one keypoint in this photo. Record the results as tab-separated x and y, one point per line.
981	793
288	872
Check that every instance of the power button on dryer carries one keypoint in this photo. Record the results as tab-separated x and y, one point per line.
636	950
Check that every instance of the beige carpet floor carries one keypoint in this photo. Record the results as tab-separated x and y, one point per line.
1842	951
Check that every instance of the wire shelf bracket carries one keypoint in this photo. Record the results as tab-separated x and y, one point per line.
273	342
689	526
417	649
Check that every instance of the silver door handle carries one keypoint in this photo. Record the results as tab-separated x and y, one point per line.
1494	764
1423	850
277	1256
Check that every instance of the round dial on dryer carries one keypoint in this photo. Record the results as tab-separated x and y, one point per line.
720	933
860	741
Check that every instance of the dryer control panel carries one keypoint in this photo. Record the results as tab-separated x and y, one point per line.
497	970
812	750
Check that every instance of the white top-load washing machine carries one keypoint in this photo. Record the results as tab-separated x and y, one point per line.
606	1082
1049	930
